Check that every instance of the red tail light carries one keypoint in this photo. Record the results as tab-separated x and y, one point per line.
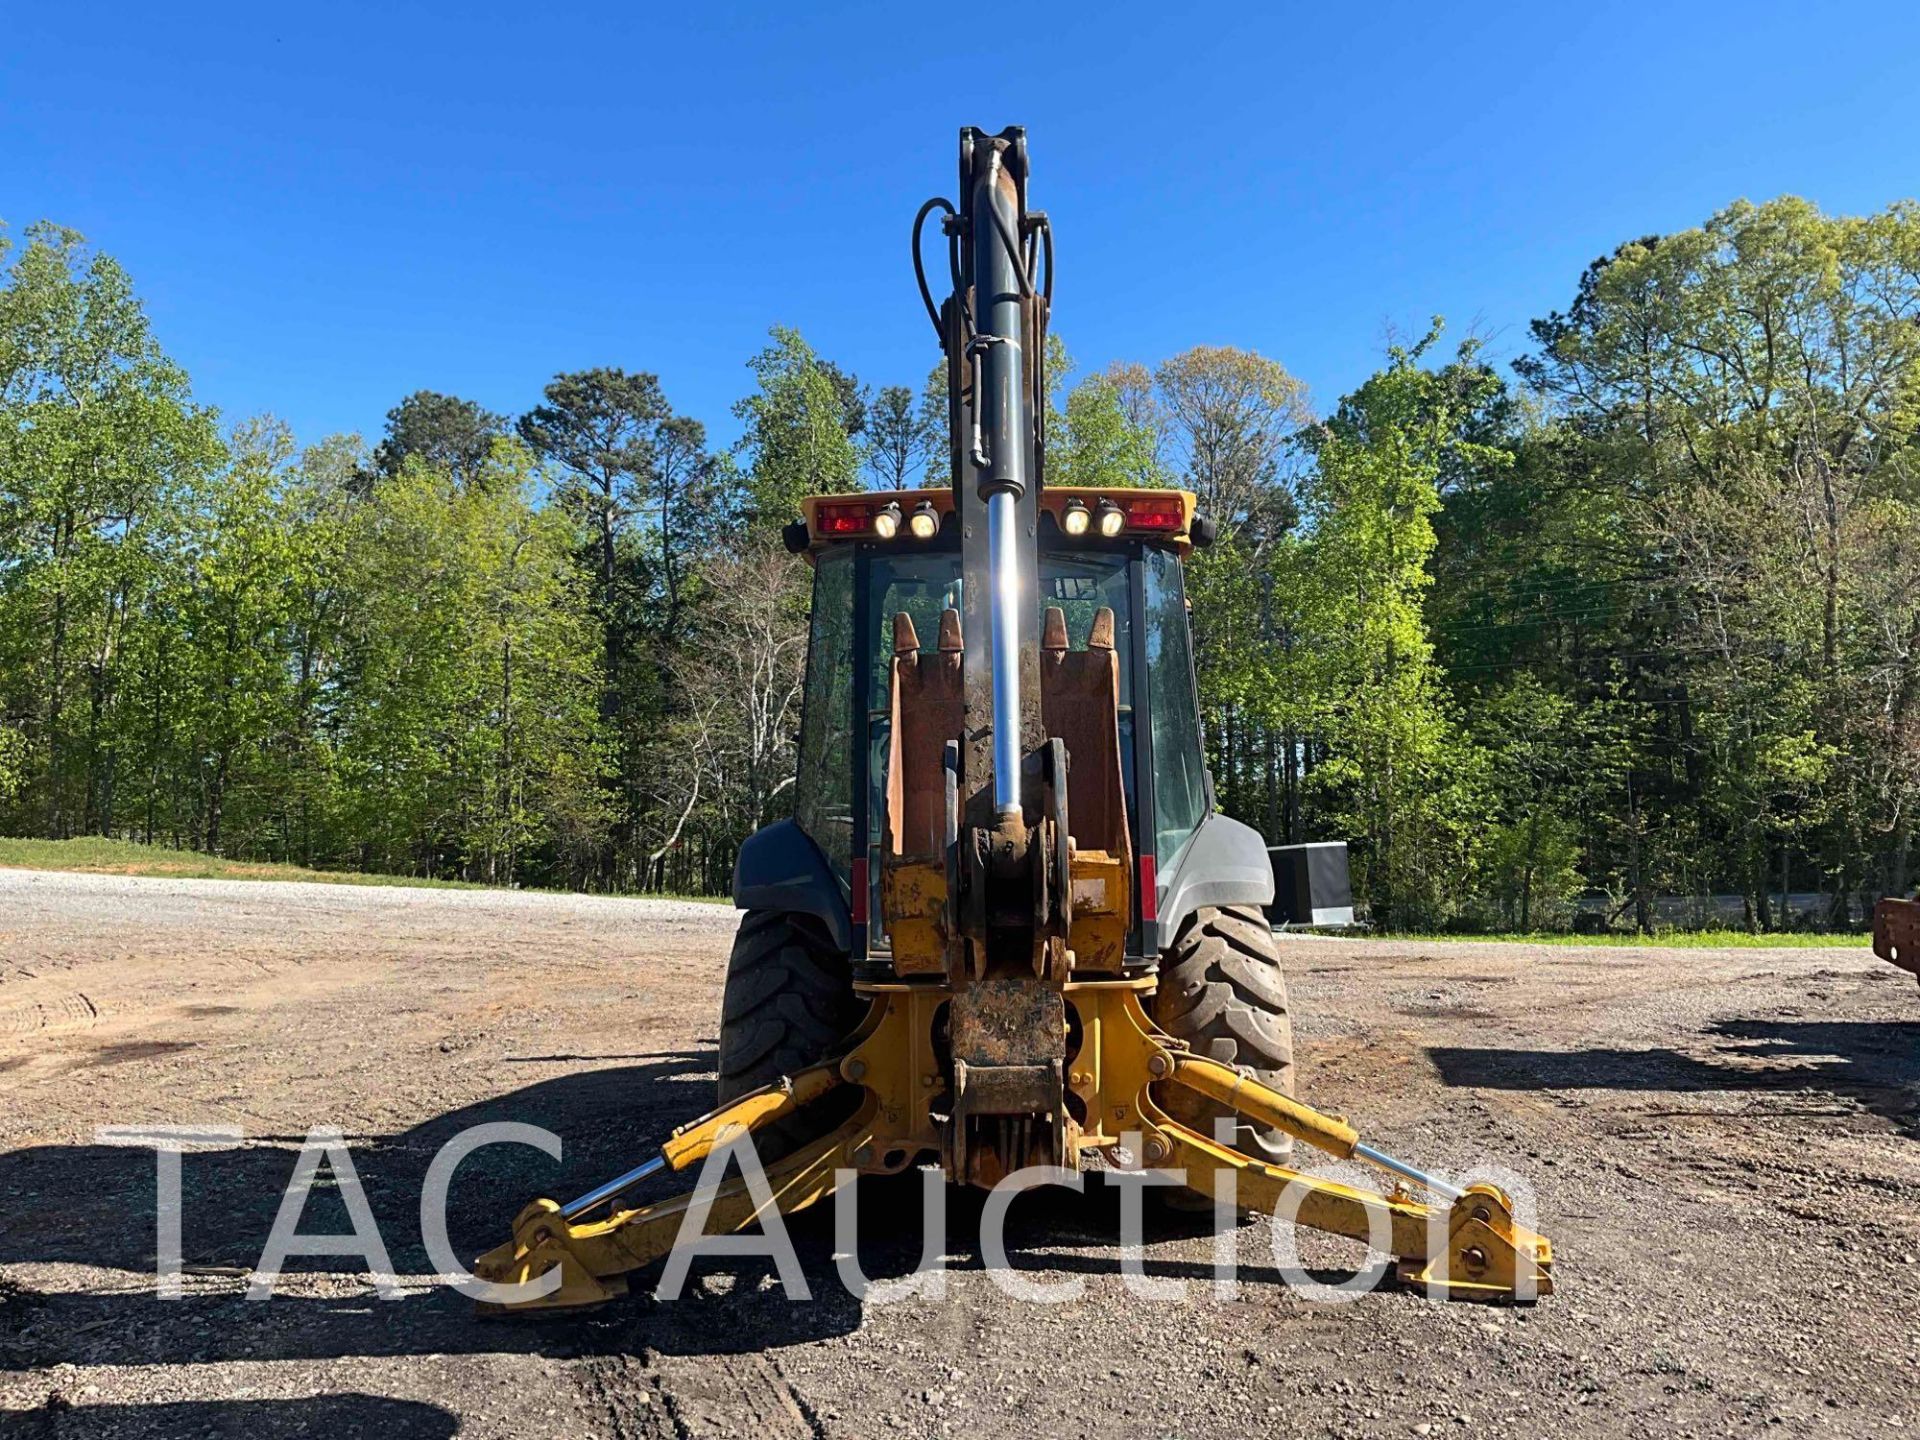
859	888
1151	512
1149	900
845	519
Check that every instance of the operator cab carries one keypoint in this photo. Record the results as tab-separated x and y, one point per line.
878	556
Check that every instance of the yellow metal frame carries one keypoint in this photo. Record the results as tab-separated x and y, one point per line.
913	897
1102	891
1471	1249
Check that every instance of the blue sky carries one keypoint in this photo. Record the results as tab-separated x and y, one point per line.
326	207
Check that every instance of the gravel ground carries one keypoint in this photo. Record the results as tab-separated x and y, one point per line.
1725	1146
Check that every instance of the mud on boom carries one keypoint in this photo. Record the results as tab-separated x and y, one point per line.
1006	927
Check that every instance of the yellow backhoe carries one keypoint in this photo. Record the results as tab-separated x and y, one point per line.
1006	927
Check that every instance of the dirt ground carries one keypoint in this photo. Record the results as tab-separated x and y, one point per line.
1725	1146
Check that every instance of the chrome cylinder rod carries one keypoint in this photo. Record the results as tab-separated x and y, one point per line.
573	1209
1003	567
1399	1167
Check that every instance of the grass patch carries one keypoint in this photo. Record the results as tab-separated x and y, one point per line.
93	855
1659	940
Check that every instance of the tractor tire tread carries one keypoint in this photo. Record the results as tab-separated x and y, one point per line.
1223	993
789	999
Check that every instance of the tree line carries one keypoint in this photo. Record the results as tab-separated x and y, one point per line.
1638	618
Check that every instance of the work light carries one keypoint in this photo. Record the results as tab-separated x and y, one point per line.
1112	517
925	521
886	522
1075	518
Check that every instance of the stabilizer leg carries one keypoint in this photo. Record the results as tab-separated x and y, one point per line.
1467	1248
593	1258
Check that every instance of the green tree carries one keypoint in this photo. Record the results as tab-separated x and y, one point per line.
13	762
1401	776
855	398
1751	386
937	424
900	442
1225	421
443	430
469	740
1098	442
599	428
640	483
101	447
1527	731
321	500
797	440
245	564
1230	417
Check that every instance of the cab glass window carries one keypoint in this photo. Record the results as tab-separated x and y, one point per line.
823	798
1179	769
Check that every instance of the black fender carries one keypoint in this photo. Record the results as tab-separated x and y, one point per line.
780	868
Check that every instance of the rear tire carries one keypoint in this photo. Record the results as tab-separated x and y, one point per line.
1223	992
789	1000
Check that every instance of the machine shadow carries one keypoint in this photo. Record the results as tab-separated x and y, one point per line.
254	1419
94	1205
1875	1065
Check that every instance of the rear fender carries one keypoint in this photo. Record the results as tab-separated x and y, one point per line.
780	868
1225	863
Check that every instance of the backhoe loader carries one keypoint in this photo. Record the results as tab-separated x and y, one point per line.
1006	926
